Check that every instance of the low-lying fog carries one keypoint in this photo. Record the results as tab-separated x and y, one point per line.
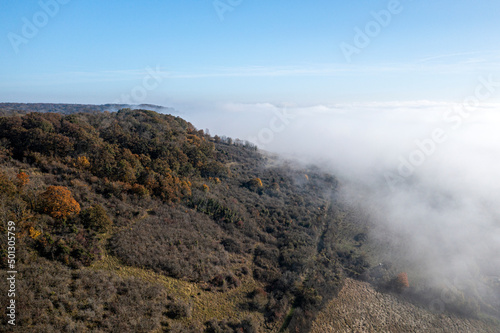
428	174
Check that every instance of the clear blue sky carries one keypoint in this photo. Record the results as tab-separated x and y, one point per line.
278	51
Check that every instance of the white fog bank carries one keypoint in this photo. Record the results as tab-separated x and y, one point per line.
428	174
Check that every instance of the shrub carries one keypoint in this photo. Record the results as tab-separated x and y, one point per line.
245	326
6	186
179	309
258	300
139	190
96	218
214	169
254	184
232	245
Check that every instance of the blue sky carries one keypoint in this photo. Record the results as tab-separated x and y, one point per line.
258	51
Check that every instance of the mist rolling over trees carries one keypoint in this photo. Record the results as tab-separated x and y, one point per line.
427	176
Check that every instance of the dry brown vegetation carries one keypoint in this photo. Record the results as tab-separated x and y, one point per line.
360	308
153	193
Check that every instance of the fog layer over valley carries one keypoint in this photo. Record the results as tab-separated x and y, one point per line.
427	175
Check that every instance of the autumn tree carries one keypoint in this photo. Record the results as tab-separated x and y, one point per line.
58	202
22	179
140	190
401	282
82	162
255	185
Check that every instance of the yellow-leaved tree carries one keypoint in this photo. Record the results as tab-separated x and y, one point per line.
58	202
82	162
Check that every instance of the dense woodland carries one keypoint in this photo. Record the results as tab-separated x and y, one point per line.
153	192
137	221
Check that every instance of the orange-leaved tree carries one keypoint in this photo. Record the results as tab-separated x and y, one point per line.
58	202
402	281
257	182
22	179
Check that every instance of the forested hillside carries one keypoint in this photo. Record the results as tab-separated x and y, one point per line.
22	108
137	221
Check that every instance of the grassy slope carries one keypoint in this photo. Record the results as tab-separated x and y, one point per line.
360	308
206	304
